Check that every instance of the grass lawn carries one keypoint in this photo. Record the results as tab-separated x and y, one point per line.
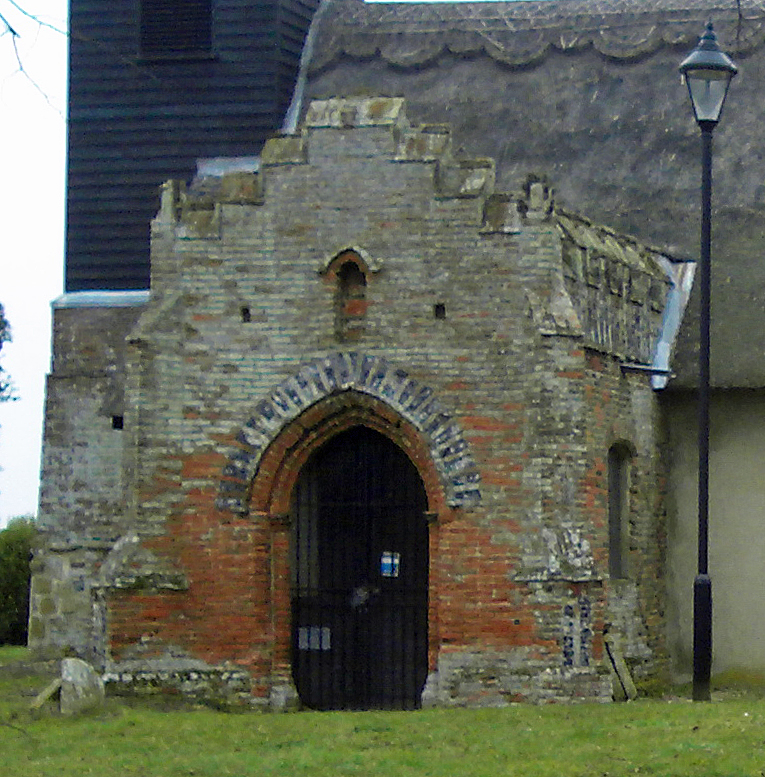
648	737
10	653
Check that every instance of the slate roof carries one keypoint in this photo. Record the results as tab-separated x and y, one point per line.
587	93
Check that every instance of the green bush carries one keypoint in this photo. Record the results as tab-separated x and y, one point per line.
15	549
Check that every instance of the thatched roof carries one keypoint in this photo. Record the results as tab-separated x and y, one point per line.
520	34
587	93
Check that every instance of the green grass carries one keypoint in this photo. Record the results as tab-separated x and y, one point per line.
650	737
9	653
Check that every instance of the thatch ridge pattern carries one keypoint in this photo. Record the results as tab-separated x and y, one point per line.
520	34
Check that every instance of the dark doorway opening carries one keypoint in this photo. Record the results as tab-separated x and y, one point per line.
359	576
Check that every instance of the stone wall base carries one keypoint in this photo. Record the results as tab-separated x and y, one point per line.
466	681
193	681
497	679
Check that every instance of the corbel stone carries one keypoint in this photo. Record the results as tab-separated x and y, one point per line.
594	262
241	188
500	215
639	286
425	143
574	257
467	178
539	202
199	220
169	200
285	150
346	112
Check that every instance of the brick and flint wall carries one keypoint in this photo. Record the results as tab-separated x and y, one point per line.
488	340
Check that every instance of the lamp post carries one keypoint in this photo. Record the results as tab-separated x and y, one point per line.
708	73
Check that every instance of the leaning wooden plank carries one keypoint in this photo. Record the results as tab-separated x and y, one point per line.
624	687
46	693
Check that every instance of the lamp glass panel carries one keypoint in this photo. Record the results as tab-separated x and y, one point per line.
707	89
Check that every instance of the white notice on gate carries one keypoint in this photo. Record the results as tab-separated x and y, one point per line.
313	638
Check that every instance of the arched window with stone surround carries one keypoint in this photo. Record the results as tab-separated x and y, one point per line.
350	299
619	466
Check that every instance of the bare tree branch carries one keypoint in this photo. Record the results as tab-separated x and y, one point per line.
36	19
42	23
8	25
23	71
16	36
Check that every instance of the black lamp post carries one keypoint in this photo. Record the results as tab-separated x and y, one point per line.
708	73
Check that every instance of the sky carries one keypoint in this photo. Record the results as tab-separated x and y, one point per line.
32	164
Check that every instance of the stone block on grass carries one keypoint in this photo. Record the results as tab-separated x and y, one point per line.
82	688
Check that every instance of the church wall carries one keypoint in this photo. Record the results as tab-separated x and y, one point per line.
82	499
475	348
736	543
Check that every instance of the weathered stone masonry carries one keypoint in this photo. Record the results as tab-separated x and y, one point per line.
485	334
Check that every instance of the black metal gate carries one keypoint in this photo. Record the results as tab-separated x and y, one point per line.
360	576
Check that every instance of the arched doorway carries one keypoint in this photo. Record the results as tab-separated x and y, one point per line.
359	585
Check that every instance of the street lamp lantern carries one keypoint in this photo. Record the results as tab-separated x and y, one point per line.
708	73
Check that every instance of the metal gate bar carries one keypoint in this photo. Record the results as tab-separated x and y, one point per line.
359	576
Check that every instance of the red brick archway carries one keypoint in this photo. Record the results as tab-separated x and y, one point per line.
279	470
282	461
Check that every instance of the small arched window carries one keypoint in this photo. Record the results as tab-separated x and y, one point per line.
619	465
350	301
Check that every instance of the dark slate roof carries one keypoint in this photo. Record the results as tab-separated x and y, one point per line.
587	93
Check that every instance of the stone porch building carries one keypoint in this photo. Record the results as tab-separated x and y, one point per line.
380	435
